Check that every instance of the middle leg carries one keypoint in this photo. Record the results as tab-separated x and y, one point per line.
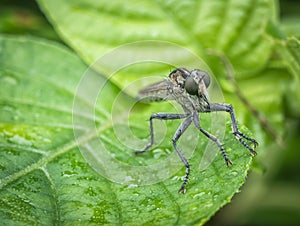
211	137
181	129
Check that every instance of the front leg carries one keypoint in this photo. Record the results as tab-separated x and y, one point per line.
241	137
161	116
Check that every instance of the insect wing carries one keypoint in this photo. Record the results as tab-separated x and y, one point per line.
156	92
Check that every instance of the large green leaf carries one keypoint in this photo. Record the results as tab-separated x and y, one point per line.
44	178
236	28
290	53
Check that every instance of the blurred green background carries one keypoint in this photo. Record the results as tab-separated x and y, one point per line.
271	197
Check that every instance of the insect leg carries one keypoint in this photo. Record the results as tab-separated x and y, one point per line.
212	137
184	125
161	116
238	134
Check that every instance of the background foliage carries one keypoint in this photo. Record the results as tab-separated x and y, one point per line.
266	66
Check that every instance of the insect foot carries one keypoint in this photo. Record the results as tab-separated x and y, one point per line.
240	137
182	190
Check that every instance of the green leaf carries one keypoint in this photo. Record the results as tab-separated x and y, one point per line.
290	53
44	178
293	46
236	28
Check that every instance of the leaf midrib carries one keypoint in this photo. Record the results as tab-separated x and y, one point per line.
59	151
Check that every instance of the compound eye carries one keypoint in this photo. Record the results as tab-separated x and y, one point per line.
191	86
206	79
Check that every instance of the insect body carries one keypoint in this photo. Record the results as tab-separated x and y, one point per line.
189	89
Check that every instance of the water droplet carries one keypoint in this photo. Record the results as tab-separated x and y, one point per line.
157	153
17	139
234	173
215	197
176	178
208	204
132	186
128	179
68	173
168	151
7	78
136	194
199	195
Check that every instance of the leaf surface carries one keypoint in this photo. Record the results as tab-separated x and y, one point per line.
236	28
44	178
